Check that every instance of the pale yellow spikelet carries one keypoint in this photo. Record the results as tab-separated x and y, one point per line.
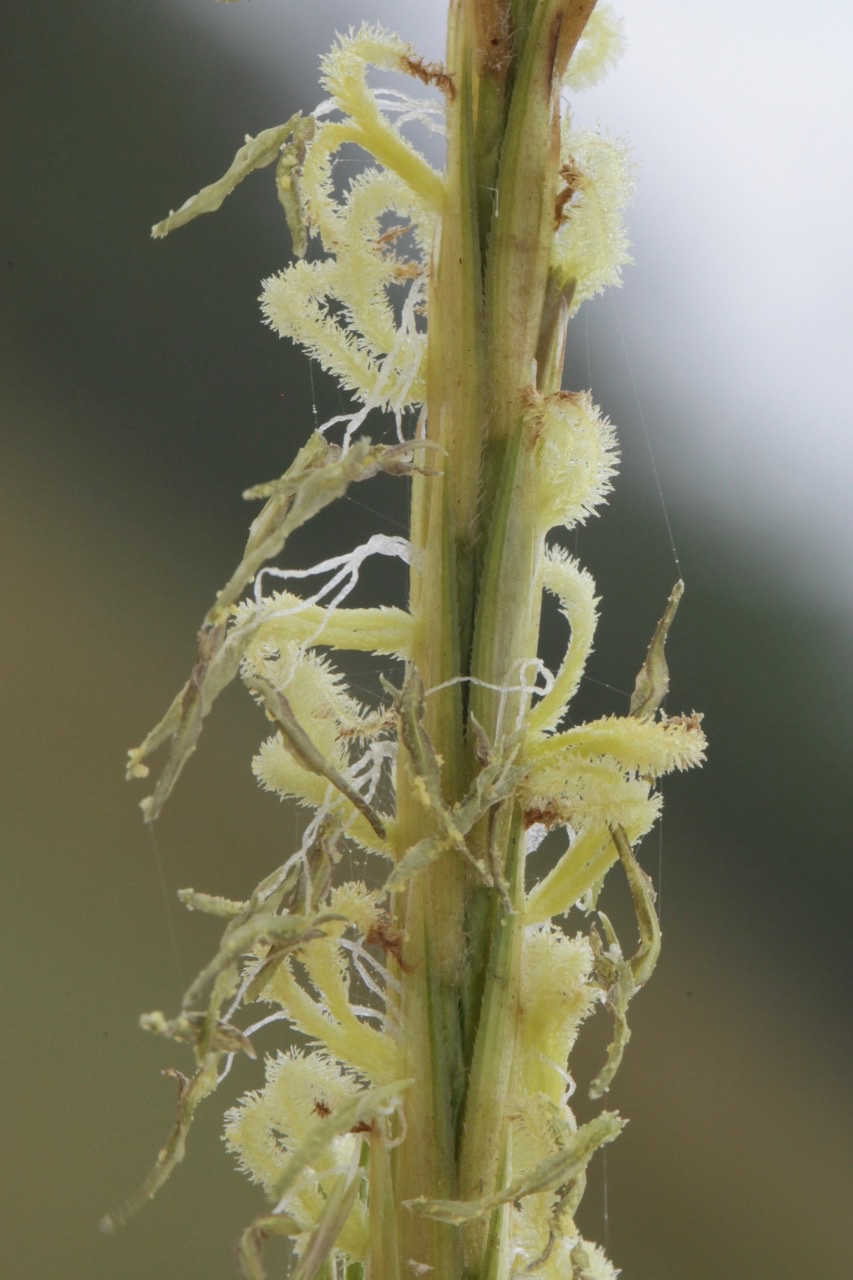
591	245
590	855
343	67
295	303
341	309
267	1125
324	1014
328	713
371	266
558	1263
576	455
283	618
570	1256
574	587
556	996
536	1123
352	1042
644	748
601	45
335	727
592	1261
277	770
594	792
360	905
324	212
365	124
345	76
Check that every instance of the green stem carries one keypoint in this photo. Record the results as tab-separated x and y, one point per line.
475	599
484	1143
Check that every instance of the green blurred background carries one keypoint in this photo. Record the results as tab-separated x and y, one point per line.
140	396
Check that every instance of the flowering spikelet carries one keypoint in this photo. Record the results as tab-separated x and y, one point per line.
421	1123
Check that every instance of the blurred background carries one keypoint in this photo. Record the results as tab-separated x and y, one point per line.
140	396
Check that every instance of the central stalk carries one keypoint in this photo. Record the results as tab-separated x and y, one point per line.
475	598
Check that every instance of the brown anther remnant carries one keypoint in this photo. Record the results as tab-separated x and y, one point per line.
322	1109
549	817
431	73
533	424
383	934
534	410
407	271
571	175
692	722
378	720
389	236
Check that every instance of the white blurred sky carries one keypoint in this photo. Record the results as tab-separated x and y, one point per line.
736	317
